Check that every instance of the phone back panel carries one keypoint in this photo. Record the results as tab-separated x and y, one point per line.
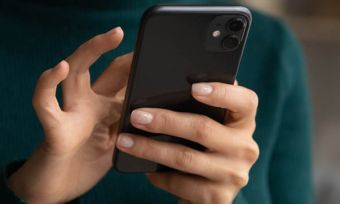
173	51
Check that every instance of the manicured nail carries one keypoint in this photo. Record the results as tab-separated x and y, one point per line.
141	117
125	141
202	89
114	30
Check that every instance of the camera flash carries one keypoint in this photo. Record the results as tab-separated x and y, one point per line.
216	34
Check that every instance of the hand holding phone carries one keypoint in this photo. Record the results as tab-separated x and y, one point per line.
180	87
178	46
215	175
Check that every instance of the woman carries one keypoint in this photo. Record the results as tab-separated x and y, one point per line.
72	157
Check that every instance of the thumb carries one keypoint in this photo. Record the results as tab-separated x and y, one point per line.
45	102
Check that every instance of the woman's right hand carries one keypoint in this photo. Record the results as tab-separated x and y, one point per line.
79	136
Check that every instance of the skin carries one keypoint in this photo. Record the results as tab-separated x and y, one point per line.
81	135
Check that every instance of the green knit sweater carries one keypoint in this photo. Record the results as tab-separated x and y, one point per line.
36	34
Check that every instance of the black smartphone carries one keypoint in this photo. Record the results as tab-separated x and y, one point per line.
179	45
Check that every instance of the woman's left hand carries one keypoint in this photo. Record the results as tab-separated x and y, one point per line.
216	175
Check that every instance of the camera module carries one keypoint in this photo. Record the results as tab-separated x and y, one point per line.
236	24
230	42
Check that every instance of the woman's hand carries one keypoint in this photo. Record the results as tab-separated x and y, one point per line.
216	175
79	136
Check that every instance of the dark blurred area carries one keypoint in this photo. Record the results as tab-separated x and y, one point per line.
317	25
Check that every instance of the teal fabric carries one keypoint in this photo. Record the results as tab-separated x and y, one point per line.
36	34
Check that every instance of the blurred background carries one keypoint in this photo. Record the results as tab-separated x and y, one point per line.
317	25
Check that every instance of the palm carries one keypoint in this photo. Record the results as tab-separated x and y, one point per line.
95	145
89	128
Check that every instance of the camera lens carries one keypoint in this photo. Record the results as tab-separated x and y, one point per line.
230	42
236	24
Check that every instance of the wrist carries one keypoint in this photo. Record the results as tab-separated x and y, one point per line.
31	182
15	186
17	182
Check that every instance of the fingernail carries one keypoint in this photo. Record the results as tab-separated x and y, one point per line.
114	30
202	89
141	117
125	141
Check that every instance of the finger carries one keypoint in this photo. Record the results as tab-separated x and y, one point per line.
189	187
78	82
90	51
44	98
120	95
114	77
184	186
241	102
193	127
172	155
113	104
181	201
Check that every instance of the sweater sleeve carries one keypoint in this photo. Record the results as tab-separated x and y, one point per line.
6	194
290	172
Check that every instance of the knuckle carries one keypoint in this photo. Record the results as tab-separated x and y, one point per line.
239	179
184	158
149	150
252	126
224	93
253	99
145	149
203	128
221	91
162	120
251	151
218	196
